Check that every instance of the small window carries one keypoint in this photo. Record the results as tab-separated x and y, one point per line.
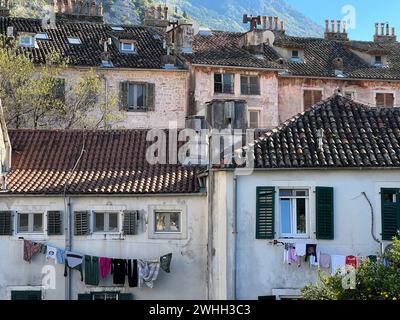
311	97
167	222
42	36
295	54
224	83
74	40
105	296
136	96
250	85
378	59
30	222
106	222
349	94
26	41
127	47
254	119
384	100
293	206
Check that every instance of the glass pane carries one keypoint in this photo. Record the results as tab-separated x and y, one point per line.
140	95
302	193
131	95
389	197
244	85
174	222
37	222
99	221
218	77
228	83
113	222
254	119
23	223
161	222
285	216
301	215
285	193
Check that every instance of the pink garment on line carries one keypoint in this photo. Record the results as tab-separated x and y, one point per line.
293	256
105	267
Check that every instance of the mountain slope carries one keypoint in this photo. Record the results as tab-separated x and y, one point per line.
217	15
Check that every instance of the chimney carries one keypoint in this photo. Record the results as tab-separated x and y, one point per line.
146	15
264	22
79	10
336	35
339	24
155	18
153	11
276	23
159	12
326	26
384	37
165	13
4	8
269	23
282	26
333	26
344	26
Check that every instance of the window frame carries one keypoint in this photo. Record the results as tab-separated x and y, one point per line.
26	36
30	230
295	56
182	235
293	213
248	85
258	111
385	98
106	222
155	212
222	83
131	44
136	108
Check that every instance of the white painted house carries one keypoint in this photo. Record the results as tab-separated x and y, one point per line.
329	176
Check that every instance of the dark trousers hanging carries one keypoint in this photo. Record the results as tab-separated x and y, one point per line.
133	273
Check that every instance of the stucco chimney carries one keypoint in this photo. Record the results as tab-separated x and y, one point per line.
338	34
384	36
282	26
4	8
326	26
339	24
344	26
269	23
333	26
393	32
146	14
387	29
154	18
80	10
159	12
153	11
382	29
376	29
276	23
264	22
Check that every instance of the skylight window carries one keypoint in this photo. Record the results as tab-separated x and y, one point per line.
26	41
74	40
42	36
117	28
127	47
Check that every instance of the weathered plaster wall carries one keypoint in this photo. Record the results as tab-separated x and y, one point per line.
188	277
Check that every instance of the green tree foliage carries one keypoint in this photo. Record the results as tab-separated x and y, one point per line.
31	96
374	281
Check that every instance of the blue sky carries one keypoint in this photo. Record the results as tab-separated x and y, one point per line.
367	12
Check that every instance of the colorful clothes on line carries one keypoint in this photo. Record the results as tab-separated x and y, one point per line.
105	267
351	261
92	270
338	263
324	260
300	249
73	261
311	250
148	272
51	253
60	256
30	249
165	262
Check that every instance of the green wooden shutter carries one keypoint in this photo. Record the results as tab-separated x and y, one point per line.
390	213
265	212
125	296
81	223
54	226
150	96
84	296
130	221
123	95
324	213
6	225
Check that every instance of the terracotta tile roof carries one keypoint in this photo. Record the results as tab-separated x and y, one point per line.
149	43
354	135
113	163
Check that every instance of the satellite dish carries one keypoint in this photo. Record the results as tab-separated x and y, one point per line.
269	37
196	27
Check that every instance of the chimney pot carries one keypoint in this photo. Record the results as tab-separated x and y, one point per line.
264	22
93	8
165	13
333	26
276	23
282	25
100	11
269	23
344	26
159	12
387	29
393	32
326	26
146	12
153	11
73	2
382	29
338	26
65	6
80	7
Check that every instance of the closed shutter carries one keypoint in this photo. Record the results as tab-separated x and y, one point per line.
84	296
150	96
265	211
54	222
380	100
310	98
390	213
81	222
130	221
324	213
123	95
6	225
125	296
389	100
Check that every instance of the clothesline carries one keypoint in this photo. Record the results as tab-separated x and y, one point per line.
139	271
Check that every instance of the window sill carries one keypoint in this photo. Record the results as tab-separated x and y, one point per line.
31	236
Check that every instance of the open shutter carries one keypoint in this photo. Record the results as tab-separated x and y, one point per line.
150	96
123	95
125	296
6	225
130	221
84	296
265	211
390	213
324	213
54	222
81	223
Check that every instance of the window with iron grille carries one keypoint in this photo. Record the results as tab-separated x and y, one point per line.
224	83
250	85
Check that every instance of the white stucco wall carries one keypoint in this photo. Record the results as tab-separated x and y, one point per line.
260	267
266	103
188	277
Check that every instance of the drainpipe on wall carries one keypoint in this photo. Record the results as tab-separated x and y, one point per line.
235	235
210	193
68	244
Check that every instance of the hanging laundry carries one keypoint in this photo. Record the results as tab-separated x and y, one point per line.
314	260
105	267
311	250
30	249
60	256
338	263
351	261
165	262
92	270
293	258
373	258
324	260
43	248
133	276
286	254
119	270
148	272
51	253
300	249
73	261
